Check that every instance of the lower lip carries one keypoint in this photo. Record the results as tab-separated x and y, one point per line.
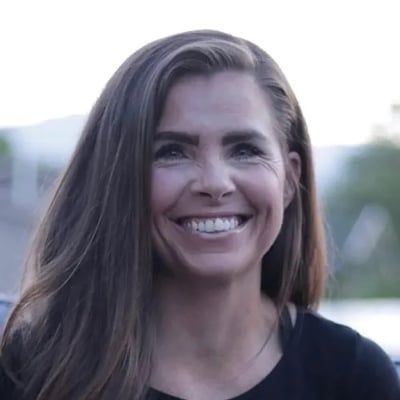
214	235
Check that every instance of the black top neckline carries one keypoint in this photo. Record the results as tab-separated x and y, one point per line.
277	369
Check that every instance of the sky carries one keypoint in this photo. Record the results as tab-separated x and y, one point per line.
341	57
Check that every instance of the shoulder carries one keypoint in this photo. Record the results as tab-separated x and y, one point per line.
318	330
7	386
374	372
342	354
10	367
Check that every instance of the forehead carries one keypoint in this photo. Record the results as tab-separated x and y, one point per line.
216	103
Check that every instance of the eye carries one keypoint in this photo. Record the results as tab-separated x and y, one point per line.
169	152
244	151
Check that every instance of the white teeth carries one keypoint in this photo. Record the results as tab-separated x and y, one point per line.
219	224
211	225
227	225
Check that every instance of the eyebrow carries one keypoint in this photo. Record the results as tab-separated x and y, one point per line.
231	137
173	136
245	135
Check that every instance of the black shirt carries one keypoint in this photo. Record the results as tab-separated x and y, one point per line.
321	360
325	361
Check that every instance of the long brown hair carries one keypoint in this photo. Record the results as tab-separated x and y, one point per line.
82	326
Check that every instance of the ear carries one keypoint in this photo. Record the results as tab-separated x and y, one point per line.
293	175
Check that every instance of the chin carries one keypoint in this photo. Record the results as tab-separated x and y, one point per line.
218	267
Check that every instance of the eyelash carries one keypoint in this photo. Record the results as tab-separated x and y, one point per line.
252	150
165	152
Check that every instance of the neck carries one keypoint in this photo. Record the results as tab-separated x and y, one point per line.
211	328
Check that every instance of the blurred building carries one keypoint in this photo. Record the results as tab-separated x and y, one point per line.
35	155
391	128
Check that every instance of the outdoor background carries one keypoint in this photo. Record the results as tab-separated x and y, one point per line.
342	60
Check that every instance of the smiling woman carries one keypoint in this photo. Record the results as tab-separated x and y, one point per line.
218	187
183	253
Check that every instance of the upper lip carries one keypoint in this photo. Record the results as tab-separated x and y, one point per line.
214	214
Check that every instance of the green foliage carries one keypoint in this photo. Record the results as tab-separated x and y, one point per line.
371	178
4	145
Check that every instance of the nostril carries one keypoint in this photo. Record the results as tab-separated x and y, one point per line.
215	195
215	185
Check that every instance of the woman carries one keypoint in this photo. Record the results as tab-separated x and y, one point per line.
183	252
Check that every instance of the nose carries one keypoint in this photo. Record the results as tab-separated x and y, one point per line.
213	181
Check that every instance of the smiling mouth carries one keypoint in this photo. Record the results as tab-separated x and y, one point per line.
212	225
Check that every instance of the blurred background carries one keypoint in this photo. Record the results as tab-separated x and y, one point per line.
342	61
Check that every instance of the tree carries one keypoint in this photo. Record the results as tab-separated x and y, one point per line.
363	214
4	145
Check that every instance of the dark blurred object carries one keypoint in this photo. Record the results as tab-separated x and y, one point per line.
397	364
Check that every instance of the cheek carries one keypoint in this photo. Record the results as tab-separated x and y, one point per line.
264	192
264	189
166	188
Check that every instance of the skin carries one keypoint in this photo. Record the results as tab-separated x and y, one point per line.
212	318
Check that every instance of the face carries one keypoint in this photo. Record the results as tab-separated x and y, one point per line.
218	177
